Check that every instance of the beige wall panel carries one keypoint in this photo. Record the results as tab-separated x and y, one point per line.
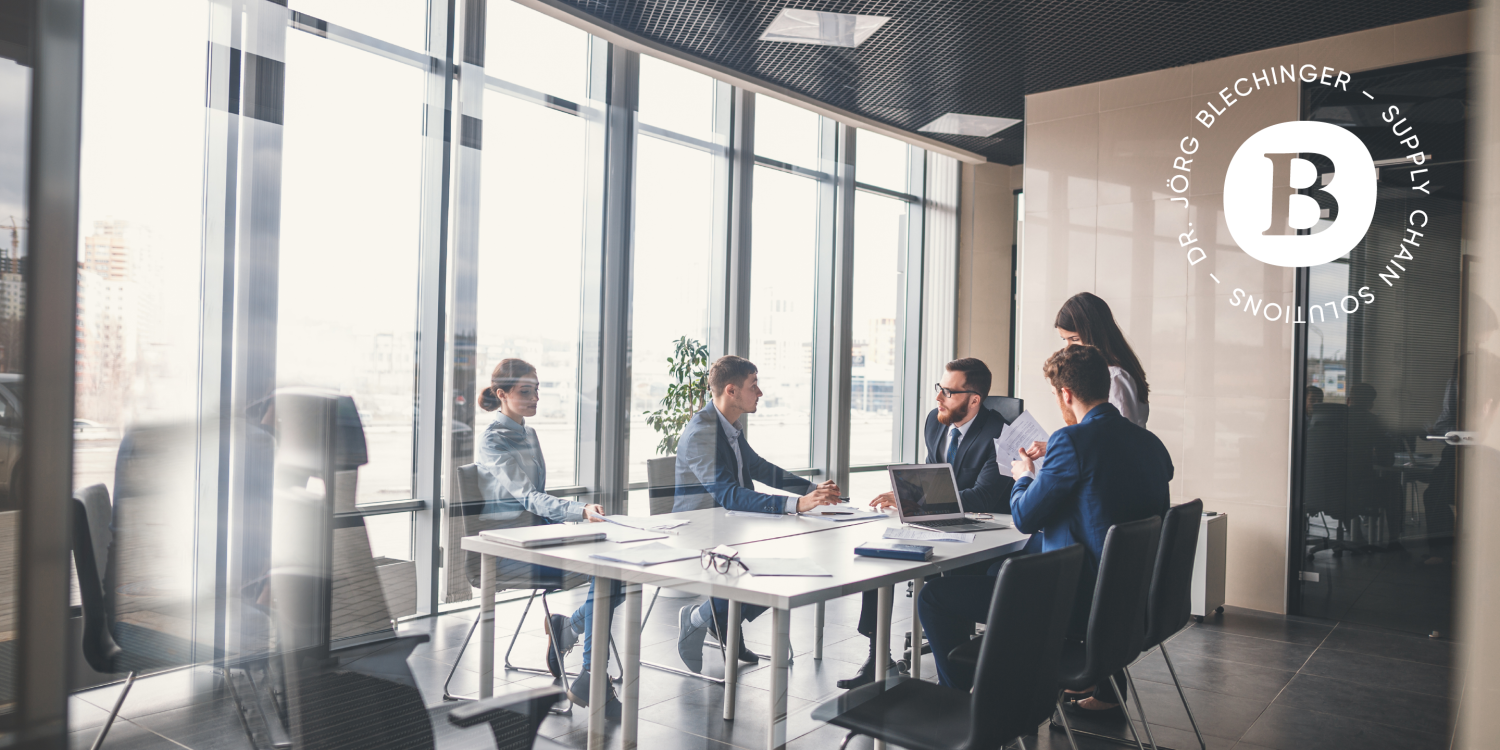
1068	102
1146	88
1133	144
986	234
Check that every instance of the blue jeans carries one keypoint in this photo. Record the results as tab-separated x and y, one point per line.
583	619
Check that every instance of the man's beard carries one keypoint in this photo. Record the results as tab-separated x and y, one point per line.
953	415
1067	413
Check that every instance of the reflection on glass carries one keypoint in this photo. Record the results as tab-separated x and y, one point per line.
783	292
15	98
400	22
348	263
674	245
531	264
865	485
676	99
883	161
529	49
786	133
879	236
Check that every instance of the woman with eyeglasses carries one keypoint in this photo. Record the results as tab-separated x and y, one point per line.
1086	320
513	477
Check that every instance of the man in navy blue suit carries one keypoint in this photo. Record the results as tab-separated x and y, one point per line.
1099	470
717	467
961	432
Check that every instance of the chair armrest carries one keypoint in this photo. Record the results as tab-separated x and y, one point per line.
967	653
530	702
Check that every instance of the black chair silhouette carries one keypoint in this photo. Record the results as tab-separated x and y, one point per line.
1009	407
1015	686
101	650
477	516
1169	603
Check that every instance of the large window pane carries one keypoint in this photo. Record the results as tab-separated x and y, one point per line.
676	99
786	133
531	265
879	234
400	22
782	313
15	95
882	161
349	243
529	49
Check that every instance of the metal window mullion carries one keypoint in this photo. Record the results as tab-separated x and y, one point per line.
47	439
590	374
616	287
907	388
736	259
835	278
431	415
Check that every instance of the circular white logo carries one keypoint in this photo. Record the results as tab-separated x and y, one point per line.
1264	211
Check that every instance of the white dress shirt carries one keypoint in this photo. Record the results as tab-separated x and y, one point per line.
1124	394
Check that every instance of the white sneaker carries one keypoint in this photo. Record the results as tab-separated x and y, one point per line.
690	638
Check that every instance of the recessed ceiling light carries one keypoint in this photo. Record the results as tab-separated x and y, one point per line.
819	27
957	124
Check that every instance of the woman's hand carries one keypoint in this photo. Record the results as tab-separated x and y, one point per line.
594	513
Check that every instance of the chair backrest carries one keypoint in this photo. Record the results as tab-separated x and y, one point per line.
99	647
1009	407
1117	622
661	483
1170	601
479	514
1016	681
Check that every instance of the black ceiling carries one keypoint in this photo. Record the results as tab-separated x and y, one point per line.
981	57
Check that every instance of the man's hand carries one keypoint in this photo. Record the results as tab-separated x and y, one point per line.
884	501
1037	450
820	496
1022	466
594	513
831	486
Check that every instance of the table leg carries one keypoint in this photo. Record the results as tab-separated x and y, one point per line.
916	629
883	639
486	626
731	660
599	669
780	649
631	669
818	631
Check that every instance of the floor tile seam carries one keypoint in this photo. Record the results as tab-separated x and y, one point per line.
149	730
1368	685
1350	718
1392	658
1259	638
1202	655
1201	690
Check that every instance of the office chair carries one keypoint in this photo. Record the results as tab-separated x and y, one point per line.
133	651
1009	407
1170	601
1015	685
509	574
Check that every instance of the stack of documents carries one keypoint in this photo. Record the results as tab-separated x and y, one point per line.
843	513
1017	435
646	554
622	533
923	535
647	522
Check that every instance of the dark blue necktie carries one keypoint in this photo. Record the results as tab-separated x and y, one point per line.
953	444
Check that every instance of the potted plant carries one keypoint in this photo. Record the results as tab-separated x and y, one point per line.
686	395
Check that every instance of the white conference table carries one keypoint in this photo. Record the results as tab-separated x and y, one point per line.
829	545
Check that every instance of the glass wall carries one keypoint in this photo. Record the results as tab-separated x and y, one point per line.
15	112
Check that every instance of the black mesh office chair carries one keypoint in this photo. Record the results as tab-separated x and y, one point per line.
1015	686
1116	627
1170	601
1009	407
477	516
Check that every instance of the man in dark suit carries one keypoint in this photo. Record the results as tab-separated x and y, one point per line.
717	467
1100	470
961	432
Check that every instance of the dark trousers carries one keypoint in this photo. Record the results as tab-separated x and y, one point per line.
950	607
870	600
719	614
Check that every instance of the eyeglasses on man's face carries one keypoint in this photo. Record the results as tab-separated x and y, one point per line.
722	563
949	392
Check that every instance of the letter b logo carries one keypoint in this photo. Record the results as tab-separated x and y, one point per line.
1264	210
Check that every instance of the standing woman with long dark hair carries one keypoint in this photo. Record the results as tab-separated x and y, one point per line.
1086	320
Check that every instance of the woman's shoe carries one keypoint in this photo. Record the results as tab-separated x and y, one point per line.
1114	713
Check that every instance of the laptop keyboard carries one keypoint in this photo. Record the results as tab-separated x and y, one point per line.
947	522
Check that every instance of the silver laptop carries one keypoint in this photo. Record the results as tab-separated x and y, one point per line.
546	535
927	498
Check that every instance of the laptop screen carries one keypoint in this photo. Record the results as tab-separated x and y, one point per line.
925	490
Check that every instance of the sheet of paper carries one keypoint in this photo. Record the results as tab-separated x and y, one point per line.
753	514
646	522
647	554
783	566
625	534
843	513
923	535
1015	436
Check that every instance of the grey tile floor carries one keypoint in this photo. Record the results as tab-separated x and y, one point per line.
1256	681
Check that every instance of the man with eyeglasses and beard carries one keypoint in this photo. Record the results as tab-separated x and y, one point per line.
961	432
